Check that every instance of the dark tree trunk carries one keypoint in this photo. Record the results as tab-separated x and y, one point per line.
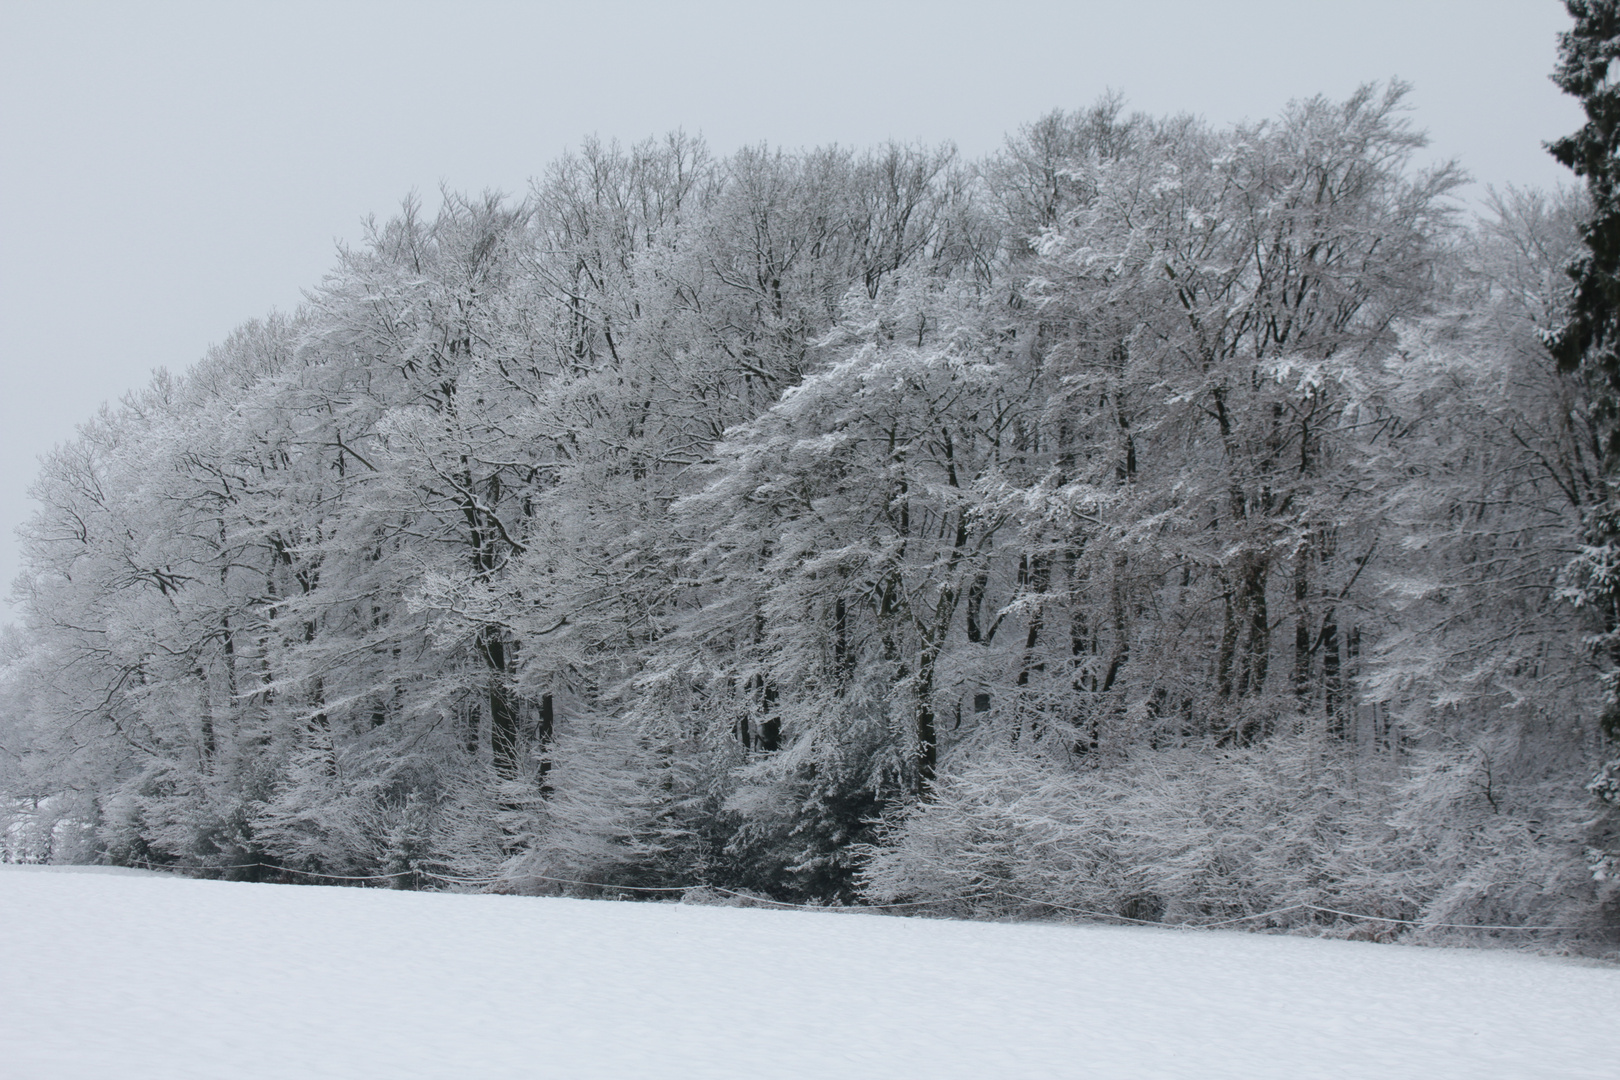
544	733
1302	626
503	714
1332	679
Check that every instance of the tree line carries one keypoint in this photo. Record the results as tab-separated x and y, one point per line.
1152	519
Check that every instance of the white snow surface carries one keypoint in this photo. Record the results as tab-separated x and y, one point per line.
136	976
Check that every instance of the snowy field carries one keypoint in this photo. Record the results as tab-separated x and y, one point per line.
129	975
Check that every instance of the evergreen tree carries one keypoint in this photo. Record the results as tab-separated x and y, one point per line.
1589	341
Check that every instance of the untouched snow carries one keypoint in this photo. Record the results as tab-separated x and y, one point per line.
136	976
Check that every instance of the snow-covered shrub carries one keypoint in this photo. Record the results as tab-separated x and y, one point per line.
668	810
1174	835
598	820
1295	833
1488	833
798	828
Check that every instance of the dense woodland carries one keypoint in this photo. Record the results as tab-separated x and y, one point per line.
1156	520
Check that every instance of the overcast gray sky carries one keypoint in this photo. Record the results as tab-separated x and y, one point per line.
169	170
